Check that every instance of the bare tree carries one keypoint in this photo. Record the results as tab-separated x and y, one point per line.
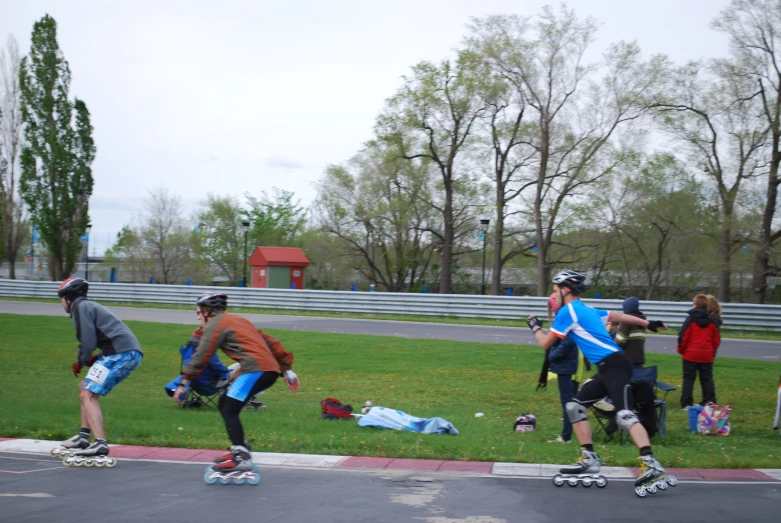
575	118
165	236
433	116
13	220
715	113
376	209
754	28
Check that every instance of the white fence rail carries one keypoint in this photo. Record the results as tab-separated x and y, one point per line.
736	315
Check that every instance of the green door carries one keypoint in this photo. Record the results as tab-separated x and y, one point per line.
278	277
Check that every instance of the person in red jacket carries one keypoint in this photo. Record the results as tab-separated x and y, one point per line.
698	342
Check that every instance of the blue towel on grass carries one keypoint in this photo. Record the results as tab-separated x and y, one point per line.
384	418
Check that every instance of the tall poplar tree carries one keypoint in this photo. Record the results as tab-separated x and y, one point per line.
56	180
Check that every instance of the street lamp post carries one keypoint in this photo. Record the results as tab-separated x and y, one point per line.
245	225
86	268
484	224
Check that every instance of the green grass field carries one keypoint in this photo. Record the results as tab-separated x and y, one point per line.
421	377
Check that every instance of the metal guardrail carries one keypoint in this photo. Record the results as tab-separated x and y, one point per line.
735	315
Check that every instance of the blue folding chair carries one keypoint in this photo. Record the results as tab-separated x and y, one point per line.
206	388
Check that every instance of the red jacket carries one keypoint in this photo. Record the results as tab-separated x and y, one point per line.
699	338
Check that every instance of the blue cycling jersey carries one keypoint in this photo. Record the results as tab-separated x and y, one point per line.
585	325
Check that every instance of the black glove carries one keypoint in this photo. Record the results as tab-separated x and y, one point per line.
534	323
655	325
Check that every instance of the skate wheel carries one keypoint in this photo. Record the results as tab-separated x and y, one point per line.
100	464
55	453
68	461
601	482
111	463
662	485
586	483
558	481
254	480
672	481
89	463
239	481
640	491
209	477
225	481
572	482
651	488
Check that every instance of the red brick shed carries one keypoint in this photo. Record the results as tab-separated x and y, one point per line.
277	268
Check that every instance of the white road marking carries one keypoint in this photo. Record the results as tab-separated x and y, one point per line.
33	495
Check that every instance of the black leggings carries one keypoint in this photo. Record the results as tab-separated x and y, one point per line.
230	408
612	379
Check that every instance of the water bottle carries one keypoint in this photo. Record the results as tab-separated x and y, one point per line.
366	407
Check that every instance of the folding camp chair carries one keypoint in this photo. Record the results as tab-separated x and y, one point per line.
206	388
605	414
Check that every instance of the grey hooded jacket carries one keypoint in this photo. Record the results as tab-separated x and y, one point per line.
97	328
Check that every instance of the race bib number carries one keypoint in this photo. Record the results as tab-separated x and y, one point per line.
98	373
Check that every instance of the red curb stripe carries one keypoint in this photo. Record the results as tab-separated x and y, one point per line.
415	464
366	462
6	439
482	467
734	474
130	451
174	454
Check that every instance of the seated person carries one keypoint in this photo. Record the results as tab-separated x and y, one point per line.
215	374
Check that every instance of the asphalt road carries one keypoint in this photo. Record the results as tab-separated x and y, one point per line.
749	349
41	489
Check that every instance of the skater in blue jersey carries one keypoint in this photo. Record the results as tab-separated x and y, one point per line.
586	326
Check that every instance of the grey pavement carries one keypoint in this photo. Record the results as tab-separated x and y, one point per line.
747	349
40	489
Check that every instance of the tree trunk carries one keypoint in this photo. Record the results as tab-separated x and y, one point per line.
496	273
725	249
762	259
446	276
542	251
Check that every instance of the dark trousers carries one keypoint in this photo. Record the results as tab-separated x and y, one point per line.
690	371
230	408
567	390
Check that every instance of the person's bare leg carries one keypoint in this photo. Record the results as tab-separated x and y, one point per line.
94	416
582	430
639	435
84	420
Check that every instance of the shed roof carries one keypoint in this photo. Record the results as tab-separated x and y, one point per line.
287	256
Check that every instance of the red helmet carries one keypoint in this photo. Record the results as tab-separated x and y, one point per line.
72	288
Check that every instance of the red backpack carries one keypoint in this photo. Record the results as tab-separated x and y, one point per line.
333	409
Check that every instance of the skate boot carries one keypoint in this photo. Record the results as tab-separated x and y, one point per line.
229	455
70	446
94	455
585	471
652	477
239	469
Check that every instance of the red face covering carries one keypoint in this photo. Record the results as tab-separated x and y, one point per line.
553	305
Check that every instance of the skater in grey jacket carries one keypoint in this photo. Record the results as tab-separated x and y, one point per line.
120	353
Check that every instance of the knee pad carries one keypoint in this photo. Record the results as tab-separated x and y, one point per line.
576	411
626	418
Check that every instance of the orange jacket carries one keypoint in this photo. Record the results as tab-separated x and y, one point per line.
238	339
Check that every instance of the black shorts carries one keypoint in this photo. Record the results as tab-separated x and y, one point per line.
612	379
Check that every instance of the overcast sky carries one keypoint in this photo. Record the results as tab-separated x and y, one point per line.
235	96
